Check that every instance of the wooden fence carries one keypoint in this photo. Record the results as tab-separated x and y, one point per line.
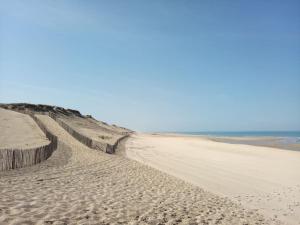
107	148
17	158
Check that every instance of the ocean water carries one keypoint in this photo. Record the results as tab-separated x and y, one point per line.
282	139
246	133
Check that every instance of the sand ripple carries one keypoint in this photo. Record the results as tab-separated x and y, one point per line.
78	185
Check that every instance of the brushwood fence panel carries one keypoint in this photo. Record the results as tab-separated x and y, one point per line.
107	148
17	158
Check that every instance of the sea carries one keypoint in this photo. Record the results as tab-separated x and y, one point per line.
281	139
246	133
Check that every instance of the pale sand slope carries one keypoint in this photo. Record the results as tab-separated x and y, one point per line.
18	130
84	186
93	129
261	178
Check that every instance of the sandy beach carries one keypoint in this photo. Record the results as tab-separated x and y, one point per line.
149	112
260	178
79	185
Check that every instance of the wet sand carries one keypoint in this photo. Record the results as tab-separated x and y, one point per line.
289	143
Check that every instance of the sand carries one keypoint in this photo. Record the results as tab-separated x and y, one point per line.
19	131
291	143
93	129
79	185
261	178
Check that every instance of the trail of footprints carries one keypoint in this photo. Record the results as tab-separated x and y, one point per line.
78	185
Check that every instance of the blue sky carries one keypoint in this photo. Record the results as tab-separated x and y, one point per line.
157	65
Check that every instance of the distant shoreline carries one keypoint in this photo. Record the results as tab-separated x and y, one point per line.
288	140
241	133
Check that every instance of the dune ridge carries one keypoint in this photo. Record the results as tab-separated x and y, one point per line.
12	158
89	142
89	131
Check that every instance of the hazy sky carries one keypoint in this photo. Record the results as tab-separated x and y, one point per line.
157	65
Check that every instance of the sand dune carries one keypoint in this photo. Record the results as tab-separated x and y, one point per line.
79	185
18	130
261	178
24	141
94	129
